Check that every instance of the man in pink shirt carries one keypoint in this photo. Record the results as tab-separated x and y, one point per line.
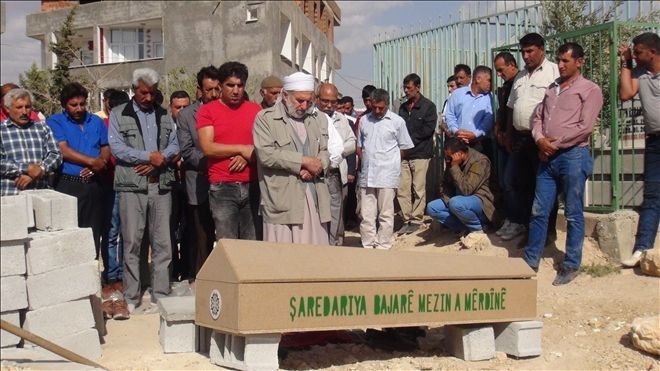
561	128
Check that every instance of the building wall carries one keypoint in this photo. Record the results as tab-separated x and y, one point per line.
196	34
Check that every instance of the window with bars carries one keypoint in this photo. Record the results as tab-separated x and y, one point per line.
129	44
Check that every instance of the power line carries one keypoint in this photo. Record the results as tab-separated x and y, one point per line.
348	82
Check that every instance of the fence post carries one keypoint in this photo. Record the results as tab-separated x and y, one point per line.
614	119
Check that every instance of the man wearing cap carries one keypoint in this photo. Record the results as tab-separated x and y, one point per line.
290	140
271	87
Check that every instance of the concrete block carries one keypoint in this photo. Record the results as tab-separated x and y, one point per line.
12	258
203	345
62	285
54	210
178	332
616	234
13	217
49	251
251	352
8	339
520	339
470	342
13	293
86	343
37	359
60	320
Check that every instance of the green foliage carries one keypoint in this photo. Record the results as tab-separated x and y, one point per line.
65	50
600	270
38	82
570	15
179	79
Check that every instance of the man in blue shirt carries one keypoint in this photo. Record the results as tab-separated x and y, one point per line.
469	114
83	140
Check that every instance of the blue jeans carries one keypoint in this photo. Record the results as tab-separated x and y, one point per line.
649	216
463	213
112	243
568	170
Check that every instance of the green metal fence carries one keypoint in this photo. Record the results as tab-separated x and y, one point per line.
617	143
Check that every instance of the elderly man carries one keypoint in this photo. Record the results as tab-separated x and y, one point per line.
562	128
143	139
341	144
195	166
644	80
291	141
27	148
4	89
83	140
382	139
271	87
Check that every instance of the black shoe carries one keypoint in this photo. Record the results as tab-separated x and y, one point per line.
412	228
404	228
564	276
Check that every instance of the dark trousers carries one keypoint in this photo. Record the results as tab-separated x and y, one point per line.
90	205
235	208
649	216
525	162
180	246
350	214
201	235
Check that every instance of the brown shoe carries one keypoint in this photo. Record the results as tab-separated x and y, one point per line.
120	310
118	286
106	291
108	308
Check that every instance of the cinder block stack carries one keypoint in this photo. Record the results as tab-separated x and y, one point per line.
50	278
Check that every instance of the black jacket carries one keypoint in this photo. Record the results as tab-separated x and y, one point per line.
421	123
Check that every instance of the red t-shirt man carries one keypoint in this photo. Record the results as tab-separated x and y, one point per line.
230	126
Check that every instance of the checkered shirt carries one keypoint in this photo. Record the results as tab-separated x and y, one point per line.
22	145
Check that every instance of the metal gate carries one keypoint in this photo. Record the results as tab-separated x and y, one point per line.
617	142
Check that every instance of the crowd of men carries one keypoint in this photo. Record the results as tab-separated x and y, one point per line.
302	165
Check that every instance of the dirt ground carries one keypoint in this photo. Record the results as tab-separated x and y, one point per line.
586	323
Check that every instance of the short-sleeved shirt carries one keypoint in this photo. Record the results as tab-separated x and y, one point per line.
649	93
230	126
86	139
528	91
381	140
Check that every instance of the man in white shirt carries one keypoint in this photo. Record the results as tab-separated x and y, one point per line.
381	139
527	92
341	143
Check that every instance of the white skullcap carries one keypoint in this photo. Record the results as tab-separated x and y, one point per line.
299	81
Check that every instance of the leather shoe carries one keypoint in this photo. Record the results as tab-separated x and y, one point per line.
120	309
564	276
108	308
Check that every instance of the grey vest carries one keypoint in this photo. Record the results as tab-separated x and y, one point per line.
126	180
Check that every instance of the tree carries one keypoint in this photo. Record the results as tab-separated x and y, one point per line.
38	82
66	52
179	79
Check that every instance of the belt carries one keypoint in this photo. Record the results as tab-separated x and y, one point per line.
653	135
79	179
152	179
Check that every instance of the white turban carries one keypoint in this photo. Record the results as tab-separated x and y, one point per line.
299	81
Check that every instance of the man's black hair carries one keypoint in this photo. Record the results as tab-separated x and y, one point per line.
650	40
463	67
117	97
367	90
72	90
575	48
414	78
532	39
451	78
108	92
179	94
482	69
507	57
346	99
455	144
208	72
233	69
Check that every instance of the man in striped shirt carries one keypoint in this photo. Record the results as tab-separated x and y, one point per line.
27	148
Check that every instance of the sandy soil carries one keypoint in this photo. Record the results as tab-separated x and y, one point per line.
586	324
